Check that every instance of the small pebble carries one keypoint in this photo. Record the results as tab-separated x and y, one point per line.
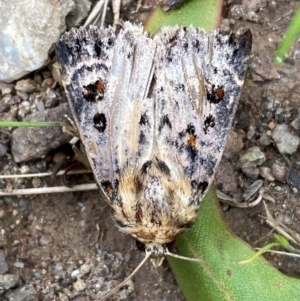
23	204
36	182
251	132
19	264
6	90
279	171
16	99
272	125
265	140
7	98
251	172
266	173
26	85
22	95
40	105
79	285
48	82
45	240
24	169
51	94
85	269
46	74
3	149
25	103
37	78
2	213
74	273
287	220
37	276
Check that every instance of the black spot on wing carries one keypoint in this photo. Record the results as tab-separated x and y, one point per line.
94	92
110	42
142	138
146	166
171	43
179	87
163	167
164	121
190	129
97	48
100	122
203	186
209	122
215	94
107	187
199	186
144	120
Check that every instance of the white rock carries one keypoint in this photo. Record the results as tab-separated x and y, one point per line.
28	29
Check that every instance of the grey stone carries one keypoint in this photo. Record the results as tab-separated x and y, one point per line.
251	172
3	149
296	123
8	281
263	69
293	176
26	85
33	143
24	293
3	263
252	157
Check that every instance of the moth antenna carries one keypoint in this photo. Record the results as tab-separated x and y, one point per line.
128	277
183	257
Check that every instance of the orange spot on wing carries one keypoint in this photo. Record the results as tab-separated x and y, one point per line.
192	141
220	93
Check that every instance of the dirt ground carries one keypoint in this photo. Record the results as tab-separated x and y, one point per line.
57	234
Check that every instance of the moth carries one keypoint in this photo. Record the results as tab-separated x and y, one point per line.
153	115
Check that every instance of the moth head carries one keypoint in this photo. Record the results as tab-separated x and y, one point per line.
157	251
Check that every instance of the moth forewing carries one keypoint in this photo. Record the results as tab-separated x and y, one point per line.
101	75
154	156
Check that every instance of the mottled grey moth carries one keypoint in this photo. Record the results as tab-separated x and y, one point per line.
153	115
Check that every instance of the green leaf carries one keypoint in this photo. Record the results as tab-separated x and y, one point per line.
219	276
27	124
199	13
289	38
